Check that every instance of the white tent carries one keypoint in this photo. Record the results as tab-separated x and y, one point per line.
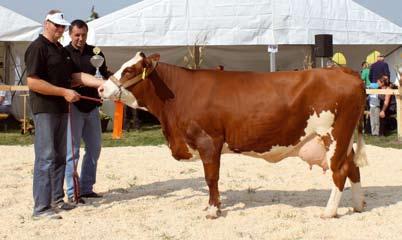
236	33
16	32
242	22
394	61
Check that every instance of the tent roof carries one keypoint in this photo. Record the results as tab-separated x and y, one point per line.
239	22
15	27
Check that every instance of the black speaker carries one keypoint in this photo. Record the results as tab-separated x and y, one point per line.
323	45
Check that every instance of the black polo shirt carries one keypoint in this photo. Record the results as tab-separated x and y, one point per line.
50	62
83	64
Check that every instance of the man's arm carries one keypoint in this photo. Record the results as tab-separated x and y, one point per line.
2	99
86	79
387	72
43	87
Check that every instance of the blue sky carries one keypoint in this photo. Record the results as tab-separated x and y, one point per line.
73	9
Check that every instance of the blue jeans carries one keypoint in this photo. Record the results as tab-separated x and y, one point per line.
50	159
86	126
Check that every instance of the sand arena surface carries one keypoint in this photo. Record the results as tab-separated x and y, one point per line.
149	195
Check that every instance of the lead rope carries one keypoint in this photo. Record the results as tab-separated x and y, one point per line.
76	178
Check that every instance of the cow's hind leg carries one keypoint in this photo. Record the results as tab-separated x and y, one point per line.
357	193
347	169
335	197
339	173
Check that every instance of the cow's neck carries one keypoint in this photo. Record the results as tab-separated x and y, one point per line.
160	88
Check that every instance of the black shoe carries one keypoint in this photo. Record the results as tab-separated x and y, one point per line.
71	200
90	195
64	206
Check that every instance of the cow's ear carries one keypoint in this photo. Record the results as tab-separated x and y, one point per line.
155	57
142	55
152	58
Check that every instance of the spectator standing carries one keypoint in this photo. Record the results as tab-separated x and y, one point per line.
387	105
85	119
364	74
5	100
378	69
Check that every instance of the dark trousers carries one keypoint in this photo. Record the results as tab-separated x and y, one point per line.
50	159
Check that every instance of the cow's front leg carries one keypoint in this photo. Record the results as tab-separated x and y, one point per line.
211	171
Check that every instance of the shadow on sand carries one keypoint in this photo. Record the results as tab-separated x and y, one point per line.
375	196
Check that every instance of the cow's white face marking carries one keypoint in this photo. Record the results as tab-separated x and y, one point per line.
111	91
127	64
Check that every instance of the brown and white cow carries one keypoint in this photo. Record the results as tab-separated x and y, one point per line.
311	114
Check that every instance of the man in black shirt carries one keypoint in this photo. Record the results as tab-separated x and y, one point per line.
50	74
85	118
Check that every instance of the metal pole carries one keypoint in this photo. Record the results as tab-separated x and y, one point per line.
272	60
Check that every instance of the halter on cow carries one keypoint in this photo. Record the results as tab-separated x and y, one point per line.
310	114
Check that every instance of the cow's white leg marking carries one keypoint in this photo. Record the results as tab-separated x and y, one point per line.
333	203
212	212
357	197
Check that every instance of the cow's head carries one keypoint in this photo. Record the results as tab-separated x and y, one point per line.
112	88
139	71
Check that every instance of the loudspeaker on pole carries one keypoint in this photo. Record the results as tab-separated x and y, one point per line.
323	45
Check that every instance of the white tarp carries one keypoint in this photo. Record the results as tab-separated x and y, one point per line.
394	61
16	32
15	27
241	22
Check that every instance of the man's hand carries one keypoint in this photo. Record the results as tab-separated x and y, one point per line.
71	95
382	114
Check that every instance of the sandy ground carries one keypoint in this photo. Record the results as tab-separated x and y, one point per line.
149	195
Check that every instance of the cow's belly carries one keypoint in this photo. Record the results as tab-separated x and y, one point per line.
312	151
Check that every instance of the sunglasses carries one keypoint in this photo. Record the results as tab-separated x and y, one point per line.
57	25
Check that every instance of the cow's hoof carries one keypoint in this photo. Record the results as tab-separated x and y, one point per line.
360	207
327	215
213	212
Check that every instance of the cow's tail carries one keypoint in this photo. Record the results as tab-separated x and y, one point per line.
360	158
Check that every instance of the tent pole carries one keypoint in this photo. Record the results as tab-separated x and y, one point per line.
272	61
6	63
197	56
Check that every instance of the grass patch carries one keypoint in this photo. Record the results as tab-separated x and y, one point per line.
152	136
146	136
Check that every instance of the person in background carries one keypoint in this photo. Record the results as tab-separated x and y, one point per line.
378	69
374	104
387	105
364	74
85	120
5	100
50	74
